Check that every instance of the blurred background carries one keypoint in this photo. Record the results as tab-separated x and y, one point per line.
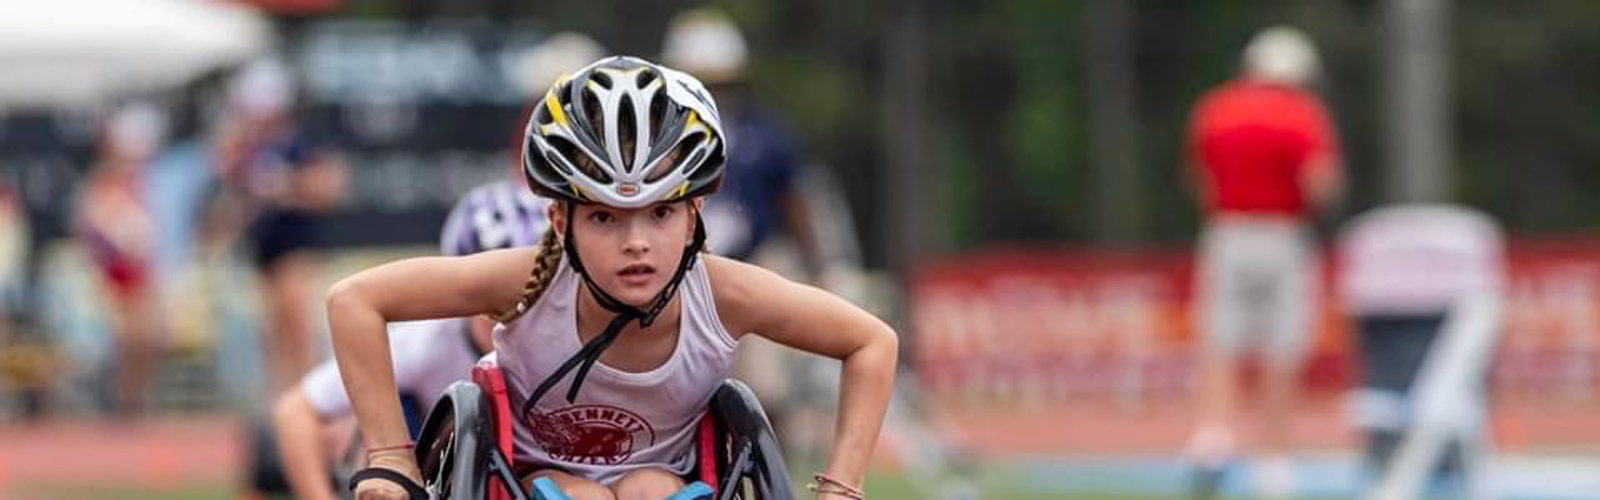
1011	183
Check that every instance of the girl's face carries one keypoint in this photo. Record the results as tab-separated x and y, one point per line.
630	253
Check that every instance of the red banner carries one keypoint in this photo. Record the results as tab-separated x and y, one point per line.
1055	324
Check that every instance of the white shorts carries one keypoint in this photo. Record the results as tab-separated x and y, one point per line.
1255	286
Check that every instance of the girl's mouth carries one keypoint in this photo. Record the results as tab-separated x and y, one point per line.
636	274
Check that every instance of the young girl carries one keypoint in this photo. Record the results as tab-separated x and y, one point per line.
626	149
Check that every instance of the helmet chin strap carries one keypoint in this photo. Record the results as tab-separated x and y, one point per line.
586	357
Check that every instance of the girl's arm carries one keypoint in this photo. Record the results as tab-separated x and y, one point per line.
299	431
751	299
360	306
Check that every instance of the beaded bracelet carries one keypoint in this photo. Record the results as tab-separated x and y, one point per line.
826	484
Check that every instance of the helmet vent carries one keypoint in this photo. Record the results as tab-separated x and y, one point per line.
627	135
566	149
658	111
708	163
671	161
602	78
597	118
644	78
541	115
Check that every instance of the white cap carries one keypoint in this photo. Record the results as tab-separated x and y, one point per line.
1282	54
705	43
562	53
262	88
136	129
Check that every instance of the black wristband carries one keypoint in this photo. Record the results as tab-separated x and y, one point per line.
390	475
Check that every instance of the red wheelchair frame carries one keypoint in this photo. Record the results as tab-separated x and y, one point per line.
466	448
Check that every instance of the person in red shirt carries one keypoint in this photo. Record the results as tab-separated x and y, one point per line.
1263	155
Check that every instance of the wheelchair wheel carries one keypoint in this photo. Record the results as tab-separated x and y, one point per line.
453	449
749	458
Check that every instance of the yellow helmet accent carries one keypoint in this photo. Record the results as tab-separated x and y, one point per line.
554	106
683	189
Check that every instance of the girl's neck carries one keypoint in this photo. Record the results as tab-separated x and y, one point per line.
593	317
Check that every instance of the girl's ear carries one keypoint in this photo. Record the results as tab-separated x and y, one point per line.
694	210
556	213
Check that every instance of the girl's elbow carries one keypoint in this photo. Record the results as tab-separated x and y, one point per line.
890	339
344	297
886	343
291	411
342	292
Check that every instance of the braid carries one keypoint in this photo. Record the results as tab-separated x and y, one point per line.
543	272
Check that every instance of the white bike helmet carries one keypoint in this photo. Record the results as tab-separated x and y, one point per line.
626	133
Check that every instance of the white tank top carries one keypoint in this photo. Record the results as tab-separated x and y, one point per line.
427	357
621	420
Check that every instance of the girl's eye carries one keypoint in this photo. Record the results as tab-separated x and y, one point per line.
663	212
601	217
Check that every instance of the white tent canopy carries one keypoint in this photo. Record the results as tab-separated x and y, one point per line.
79	52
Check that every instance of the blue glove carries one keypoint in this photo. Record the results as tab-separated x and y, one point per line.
545	489
694	491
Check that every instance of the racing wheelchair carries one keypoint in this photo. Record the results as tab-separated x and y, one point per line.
465	449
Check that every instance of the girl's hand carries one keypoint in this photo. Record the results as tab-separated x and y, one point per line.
380	489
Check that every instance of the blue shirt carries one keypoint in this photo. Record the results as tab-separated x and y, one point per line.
762	165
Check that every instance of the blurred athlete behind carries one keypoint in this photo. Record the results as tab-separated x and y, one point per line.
282	181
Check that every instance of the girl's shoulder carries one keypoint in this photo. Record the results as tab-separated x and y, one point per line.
739	288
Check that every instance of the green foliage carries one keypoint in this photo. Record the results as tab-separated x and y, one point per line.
1047	127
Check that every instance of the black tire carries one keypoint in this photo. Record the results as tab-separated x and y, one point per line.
453	449
749	451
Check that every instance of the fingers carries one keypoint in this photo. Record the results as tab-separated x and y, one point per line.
380	490
389	482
